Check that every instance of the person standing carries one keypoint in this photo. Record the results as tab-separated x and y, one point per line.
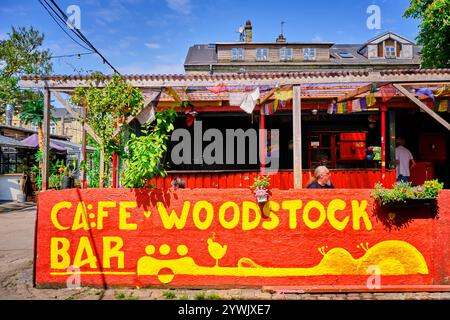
321	179
404	160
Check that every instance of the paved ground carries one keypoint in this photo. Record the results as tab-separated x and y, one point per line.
16	249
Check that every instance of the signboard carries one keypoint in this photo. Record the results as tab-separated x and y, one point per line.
208	237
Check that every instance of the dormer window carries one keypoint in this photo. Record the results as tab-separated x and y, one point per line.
237	54
309	54
262	54
286	54
389	52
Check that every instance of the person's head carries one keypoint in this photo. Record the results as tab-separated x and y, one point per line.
322	175
178	183
400	141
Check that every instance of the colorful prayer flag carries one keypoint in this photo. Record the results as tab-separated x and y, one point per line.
426	92
283	95
356	105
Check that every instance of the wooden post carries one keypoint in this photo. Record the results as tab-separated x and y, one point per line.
262	133
392	138
383	144
297	139
46	136
83	149
114	170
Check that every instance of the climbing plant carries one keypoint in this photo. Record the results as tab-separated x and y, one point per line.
146	153
106	108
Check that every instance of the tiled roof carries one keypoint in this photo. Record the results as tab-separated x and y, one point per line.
10	142
247	76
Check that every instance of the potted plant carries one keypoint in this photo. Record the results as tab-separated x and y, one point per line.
405	195
260	188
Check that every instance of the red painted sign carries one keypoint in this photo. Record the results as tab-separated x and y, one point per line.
207	237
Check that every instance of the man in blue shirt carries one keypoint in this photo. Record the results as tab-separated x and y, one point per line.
321	179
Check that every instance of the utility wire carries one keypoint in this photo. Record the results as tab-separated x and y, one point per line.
72	55
81	35
51	15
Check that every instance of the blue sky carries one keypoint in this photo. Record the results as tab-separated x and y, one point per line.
153	36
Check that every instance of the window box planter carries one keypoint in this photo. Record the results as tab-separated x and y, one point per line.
409	204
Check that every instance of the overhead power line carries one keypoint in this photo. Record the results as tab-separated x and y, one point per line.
61	27
64	19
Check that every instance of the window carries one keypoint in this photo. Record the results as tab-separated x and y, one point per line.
34	126
390	52
309	54
262	54
237	54
52	128
286	54
345	54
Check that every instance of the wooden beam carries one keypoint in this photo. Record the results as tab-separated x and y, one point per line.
423	106
272	91
46	138
360	91
156	82
78	117
297	139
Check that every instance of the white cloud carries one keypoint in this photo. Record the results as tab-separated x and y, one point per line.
152	45
317	39
180	6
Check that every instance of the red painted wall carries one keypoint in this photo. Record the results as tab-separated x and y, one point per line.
284	180
329	240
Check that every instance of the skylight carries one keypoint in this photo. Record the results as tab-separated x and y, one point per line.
345	54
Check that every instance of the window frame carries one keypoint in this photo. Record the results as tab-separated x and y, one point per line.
309	54
286	54
392	53
265	54
237	54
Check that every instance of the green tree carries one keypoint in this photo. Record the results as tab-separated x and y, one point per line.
21	54
33	113
434	34
107	108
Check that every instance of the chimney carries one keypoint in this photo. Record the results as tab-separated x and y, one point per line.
281	39
248	31
9	114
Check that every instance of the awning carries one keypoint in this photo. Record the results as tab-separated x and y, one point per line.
33	141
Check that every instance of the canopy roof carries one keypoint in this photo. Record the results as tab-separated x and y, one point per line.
33	141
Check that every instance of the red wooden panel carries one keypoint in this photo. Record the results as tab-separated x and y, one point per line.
246	180
199	181
222	181
284	180
215	181
275	180
238	180
207	181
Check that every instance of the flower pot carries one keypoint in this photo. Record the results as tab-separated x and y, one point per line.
262	195
410	204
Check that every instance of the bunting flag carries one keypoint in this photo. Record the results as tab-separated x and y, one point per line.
370	99
249	103
442	106
356	105
283	95
236	98
330	108
268	109
218	89
387	92
426	92
442	91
